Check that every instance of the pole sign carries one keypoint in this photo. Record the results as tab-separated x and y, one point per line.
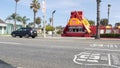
43	6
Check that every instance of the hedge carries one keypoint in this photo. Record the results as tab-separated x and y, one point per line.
110	35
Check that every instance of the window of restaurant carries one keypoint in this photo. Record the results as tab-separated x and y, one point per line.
75	29
108	31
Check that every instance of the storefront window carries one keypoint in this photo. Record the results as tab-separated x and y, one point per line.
108	31
101	31
75	29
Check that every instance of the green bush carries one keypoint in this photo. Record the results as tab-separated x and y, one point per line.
110	35
49	28
59	32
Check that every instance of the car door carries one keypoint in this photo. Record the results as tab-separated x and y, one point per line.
18	32
24	31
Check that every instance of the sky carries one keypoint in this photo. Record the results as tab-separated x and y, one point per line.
63	9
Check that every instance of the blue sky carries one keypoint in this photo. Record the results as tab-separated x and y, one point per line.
63	9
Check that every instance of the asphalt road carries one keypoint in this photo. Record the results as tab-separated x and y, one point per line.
60	52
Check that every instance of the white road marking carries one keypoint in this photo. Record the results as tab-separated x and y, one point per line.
104	45
109	60
10	43
19	67
98	49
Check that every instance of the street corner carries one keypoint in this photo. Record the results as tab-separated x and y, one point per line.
96	58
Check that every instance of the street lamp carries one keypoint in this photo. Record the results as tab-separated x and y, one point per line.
98	20
53	20
108	12
15	13
44	16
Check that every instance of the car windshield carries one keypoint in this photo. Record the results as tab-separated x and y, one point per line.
19	29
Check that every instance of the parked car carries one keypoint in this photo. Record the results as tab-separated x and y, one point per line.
26	32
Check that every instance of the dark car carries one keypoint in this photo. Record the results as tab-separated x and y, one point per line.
26	32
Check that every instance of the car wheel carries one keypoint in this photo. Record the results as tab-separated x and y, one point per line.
26	36
20	36
13	35
33	36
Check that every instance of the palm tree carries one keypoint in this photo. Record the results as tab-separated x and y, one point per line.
104	22
15	13
35	5
12	17
91	22
23	20
38	21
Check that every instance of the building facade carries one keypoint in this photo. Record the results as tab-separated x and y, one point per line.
2	27
7	28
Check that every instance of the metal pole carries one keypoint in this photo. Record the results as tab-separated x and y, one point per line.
98	20
53	21
108	12
44	16
44	23
52	24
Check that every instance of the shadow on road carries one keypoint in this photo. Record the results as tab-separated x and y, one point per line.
5	65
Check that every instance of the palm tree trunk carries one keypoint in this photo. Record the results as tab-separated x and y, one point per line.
34	19
15	16
98	20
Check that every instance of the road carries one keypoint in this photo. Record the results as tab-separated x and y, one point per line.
60	52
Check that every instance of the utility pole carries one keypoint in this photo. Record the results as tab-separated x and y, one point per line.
44	17
53	21
108	12
98	20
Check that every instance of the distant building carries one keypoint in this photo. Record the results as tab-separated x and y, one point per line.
2	27
7	28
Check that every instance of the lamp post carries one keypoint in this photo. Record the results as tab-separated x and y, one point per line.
53	20
98	20
44	17
15	13
108	12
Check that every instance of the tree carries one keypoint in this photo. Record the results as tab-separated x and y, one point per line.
104	22
117	24
38	21
91	22
30	24
35	5
23	20
59	27
12	17
49	28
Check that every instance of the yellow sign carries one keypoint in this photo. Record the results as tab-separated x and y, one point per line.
77	22
74	22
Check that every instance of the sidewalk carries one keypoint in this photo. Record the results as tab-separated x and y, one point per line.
59	37
110	38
